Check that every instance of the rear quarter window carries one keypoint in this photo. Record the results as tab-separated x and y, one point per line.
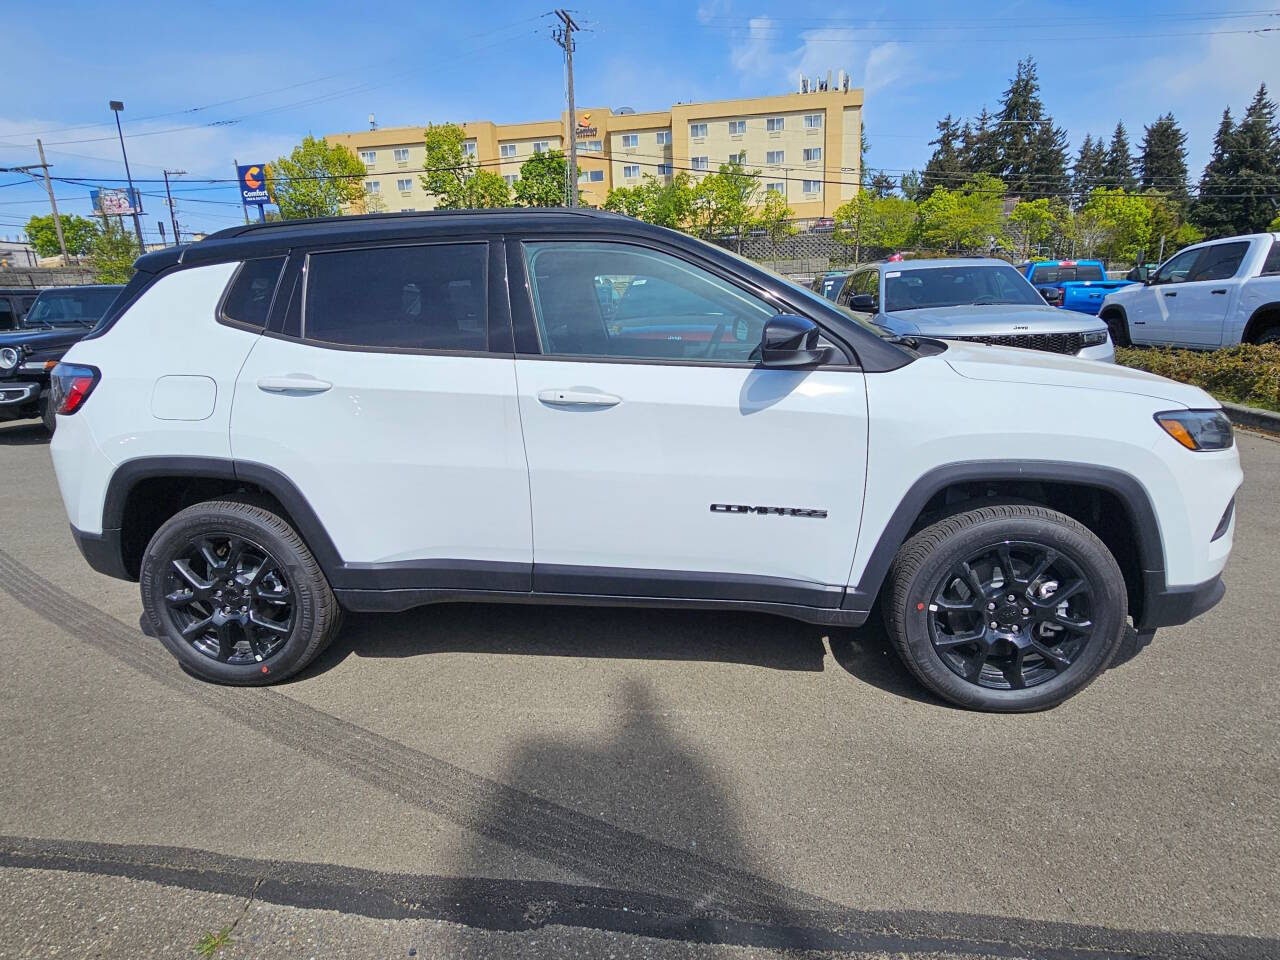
248	298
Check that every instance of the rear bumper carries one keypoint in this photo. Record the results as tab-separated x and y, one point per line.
104	552
1172	606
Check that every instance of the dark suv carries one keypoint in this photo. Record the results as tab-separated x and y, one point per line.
58	317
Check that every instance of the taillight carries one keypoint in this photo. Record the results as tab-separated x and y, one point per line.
70	385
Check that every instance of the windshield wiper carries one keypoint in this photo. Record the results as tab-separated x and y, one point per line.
906	341
991	303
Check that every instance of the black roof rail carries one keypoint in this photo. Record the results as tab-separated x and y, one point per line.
251	228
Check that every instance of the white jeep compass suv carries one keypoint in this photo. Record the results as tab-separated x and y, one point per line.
375	413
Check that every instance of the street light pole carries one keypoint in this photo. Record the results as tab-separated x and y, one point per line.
116	106
173	213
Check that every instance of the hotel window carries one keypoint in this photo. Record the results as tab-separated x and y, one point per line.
404	184
592	176
631	170
697	130
630	140
370	157
664	169
775	124
507	150
776	187
511	178
775	157
812	153
812	186
700	163
372	186
813	121
591	146
542	146
468	148
401	154
739	158
663	137
737	127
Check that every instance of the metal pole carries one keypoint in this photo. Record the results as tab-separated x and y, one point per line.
565	39
244	208
116	107
57	220
173	214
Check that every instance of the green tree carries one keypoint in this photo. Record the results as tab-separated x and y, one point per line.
543	181
1031	222
452	175
851	219
947	166
724	201
1255	150
1212	212
112	253
1117	171
968	218
890	222
1029	151
1087	172
317	179
665	204
881	184
1162	161
774	216
1126	219
78	232
978	147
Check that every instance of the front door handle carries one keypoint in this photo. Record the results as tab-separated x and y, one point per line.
578	398
294	383
1220	292
1171	293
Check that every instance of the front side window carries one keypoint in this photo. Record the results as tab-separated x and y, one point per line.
1219	262
616	300
1178	269
427	297
248	299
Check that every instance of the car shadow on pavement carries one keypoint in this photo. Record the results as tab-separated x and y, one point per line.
565	631
22	433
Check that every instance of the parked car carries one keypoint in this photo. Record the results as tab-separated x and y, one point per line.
977	300
1210	295
262	452
1076	285
59	316
829	283
14	304
823	225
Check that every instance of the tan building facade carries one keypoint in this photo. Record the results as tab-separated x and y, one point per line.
805	145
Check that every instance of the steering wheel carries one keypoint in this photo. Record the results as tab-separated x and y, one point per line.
716	336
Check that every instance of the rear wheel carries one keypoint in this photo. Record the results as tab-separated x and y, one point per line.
1270	335
1119	328
47	415
1006	608
233	592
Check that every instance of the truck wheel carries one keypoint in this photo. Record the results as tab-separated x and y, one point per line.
234	593
47	416
1270	335
1006	608
1119	328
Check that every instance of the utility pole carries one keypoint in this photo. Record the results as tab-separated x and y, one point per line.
116	106
564	37
173	213
53	204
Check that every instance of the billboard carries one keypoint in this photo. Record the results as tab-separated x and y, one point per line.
253	184
115	201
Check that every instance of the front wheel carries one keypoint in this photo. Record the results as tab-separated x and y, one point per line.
1006	608
233	592
1119	329
47	415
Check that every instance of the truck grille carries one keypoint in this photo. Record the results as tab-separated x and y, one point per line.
1049	342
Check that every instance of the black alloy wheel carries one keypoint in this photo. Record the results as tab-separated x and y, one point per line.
1011	615
230	599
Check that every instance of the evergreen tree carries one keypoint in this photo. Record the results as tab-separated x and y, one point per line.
1211	211
1049	166
882	185
977	146
1117	173
1023	150
1163	161
945	167
1086	174
1255	153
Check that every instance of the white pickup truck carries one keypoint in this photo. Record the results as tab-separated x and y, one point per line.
1214	294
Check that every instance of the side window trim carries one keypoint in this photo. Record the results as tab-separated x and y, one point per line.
528	345
220	313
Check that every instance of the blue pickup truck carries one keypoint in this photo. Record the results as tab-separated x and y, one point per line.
1076	285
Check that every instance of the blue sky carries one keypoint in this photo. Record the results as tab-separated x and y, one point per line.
206	83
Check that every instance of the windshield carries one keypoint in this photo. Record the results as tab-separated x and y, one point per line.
831	285
975	285
70	308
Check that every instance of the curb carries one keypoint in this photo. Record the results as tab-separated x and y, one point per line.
1252	417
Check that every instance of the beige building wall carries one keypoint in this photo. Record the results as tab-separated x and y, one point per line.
805	145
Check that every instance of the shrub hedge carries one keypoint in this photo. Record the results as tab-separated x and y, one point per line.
1246	374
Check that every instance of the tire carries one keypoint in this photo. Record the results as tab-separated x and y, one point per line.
1270	335
292	613
1119	327
930	608
47	415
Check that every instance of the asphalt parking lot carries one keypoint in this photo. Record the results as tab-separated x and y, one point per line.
551	781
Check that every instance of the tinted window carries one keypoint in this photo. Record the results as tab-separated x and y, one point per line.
1272	266
1219	262
71	307
249	298
428	297
957	286
665	308
7	318
1059	273
1177	269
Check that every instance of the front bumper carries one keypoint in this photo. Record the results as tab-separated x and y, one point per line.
18	393
1166	606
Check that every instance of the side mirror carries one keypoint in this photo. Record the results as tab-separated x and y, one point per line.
864	302
1051	295
791	341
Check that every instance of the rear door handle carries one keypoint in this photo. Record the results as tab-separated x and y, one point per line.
294	383
1171	293
1223	292
578	398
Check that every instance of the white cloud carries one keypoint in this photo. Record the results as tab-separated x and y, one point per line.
708	10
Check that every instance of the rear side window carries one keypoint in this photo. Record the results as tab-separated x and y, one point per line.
1219	262
248	299
1272	267
427	297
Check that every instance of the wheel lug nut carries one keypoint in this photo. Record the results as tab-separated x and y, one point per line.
217	593
1016	628
991	606
1025	611
1012	598
994	624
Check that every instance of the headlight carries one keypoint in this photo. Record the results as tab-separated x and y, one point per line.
1093	338
8	358
1197	429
